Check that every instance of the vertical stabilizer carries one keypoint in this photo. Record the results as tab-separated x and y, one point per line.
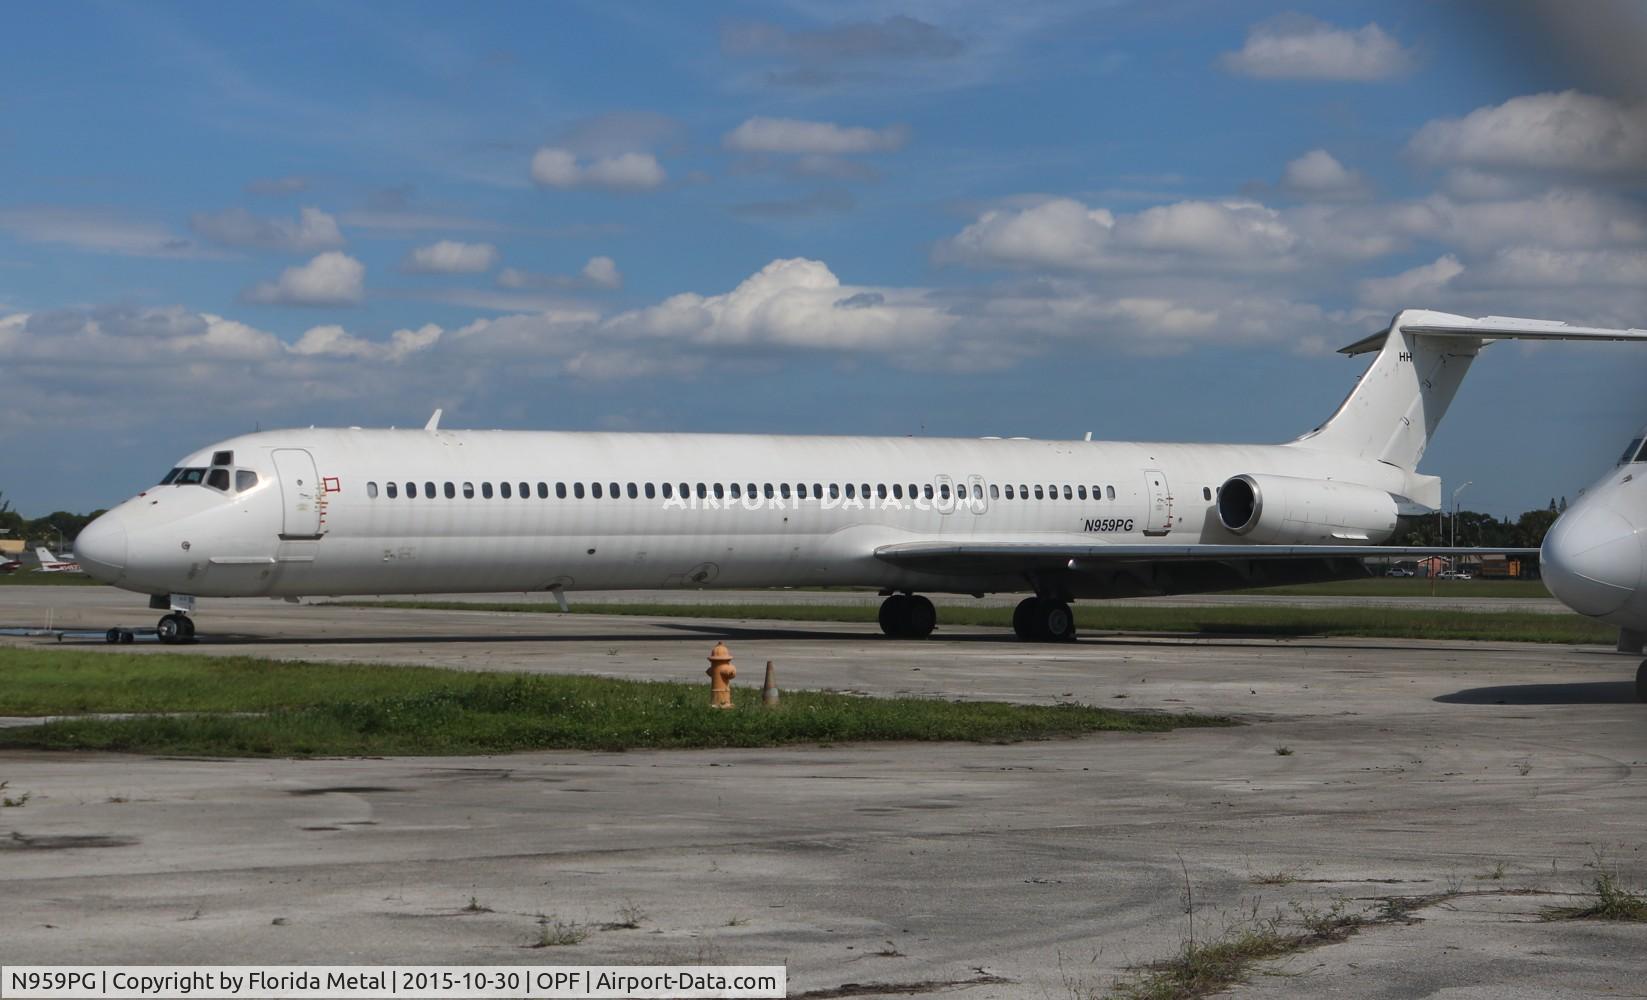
1394	409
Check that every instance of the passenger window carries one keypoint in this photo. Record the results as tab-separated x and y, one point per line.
927	490
245	479
468	491
451	491
651	491
668	491
943	491
880	491
577	491
736	491
750	491
1206	492
525	490
560	491
594	490
634	492
411	491
703	491
1039	495
851	491
503	490
1023	492
1069	494
994	492
371	489
897	491
834	491
486	490
1109	491
767	490
429	489
685	492
615	493
817	491
218	479
222	458
864	491
978	491
543	491
800	490
720	491
1009	492
1081	491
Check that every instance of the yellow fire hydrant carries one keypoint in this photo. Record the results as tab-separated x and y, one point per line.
721	671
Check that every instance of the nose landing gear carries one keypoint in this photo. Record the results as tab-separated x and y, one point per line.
175	628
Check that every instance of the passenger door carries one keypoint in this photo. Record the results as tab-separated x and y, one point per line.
1158	501
302	494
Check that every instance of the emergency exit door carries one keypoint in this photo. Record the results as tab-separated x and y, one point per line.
1158	498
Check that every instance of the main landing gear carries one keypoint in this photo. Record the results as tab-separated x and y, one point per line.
1641	681
175	628
1041	619
908	616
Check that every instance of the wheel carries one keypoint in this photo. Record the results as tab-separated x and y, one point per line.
1023	618
188	628
920	618
112	636
127	636
1056	622
170	628
1641	681
894	615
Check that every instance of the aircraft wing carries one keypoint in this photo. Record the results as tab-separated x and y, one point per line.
961	556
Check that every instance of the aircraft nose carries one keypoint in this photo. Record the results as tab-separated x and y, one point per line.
101	547
1592	560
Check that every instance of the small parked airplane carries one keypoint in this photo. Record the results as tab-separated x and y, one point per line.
1594	558
351	511
51	564
9	564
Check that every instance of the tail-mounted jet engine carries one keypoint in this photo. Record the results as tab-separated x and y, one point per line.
1286	510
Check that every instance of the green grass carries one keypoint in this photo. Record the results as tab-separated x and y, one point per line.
27	577
1394	586
1397	623
302	709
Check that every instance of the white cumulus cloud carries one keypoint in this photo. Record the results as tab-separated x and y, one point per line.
1410	288
793	135
597	272
331	279
1318	174
1300	47
313	230
1567	131
335	341
632	171
451	257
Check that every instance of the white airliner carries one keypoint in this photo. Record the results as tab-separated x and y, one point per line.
51	564
350	511
1594	558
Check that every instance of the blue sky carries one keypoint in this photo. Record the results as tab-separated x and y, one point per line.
1146	220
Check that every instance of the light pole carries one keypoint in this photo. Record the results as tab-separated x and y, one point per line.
1456	492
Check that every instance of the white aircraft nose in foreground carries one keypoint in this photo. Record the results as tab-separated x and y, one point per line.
350	511
1595	555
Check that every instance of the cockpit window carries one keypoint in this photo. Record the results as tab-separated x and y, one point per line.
244	479
170	476
189	477
222	458
218	479
1632	453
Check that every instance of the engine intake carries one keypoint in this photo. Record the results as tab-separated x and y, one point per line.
1289	510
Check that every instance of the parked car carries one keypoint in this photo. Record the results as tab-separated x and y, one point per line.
1452	574
1399	571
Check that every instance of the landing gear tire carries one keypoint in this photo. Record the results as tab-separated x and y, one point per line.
908	616
112	636
1023	619
127	636
1041	620
175	628
1641	681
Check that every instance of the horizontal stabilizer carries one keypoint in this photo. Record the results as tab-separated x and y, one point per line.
1433	324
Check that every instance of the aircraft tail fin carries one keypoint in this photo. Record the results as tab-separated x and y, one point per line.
44	555
1394	409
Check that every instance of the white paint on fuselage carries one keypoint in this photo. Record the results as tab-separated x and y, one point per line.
195	540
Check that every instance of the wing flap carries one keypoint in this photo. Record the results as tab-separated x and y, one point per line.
1007	556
